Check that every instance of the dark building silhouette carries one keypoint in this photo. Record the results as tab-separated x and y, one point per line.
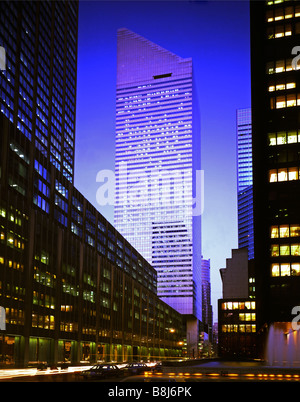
275	35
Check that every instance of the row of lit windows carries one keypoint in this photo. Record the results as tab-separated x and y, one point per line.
285	269
282	137
285	250
12	264
248	328
279	66
274	2
14	316
13	239
284	174
15	216
40	321
281	13
283	231
280	102
280	31
282	87
43	300
247	305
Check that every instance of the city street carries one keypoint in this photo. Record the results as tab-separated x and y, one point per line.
214	371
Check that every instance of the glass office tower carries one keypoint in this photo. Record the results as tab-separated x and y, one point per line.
38	85
245	181
157	156
275	38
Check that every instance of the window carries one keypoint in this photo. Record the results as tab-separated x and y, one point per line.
284	231
274	232
275	271
285	269
284	174
274	250
295	230
284	249
295	249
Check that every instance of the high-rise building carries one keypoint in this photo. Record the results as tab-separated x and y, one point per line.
72	289
275	36
157	156
237	309
207	313
38	85
245	181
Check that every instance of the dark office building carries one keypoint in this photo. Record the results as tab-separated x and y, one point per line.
71	287
237	335
38	85
275	32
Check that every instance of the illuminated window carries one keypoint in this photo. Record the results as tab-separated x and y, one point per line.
282	174
284	230
295	249
295	269
281	138
291	100
279	66
284	249
280	102
285	269
275	270
273	176
292	137
293	174
274	232
275	250
295	230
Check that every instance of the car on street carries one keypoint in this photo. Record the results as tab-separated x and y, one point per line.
102	371
157	367
135	368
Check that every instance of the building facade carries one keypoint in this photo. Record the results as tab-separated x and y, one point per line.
237	337
72	289
275	35
38	84
207	313
245	181
157	156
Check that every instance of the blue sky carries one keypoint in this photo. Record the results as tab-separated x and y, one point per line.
216	34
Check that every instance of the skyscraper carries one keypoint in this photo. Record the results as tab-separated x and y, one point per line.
72	289
275	35
38	85
157	156
207	313
245	181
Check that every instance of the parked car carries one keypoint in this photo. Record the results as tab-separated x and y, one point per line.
135	368
101	371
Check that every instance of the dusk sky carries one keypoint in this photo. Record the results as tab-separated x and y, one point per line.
216	35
